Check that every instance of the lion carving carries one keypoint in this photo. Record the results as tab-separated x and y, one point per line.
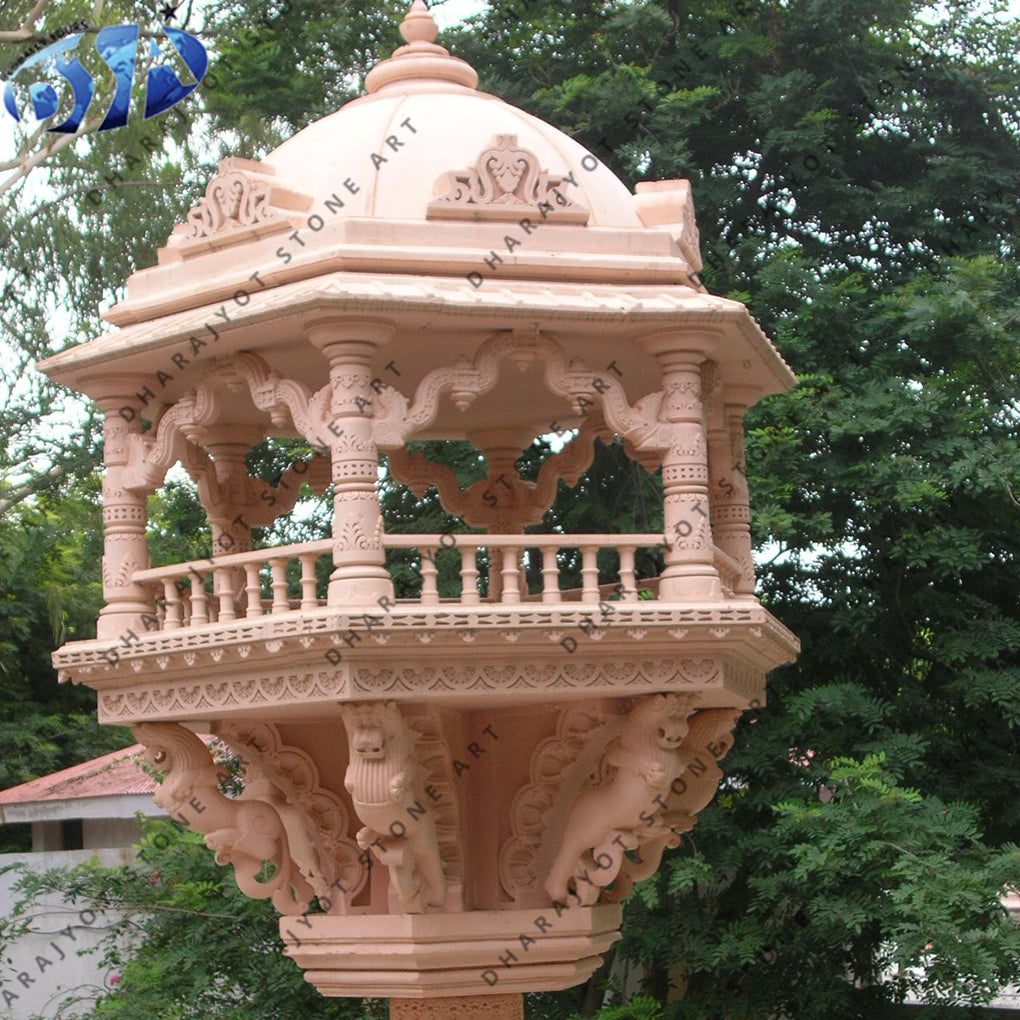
621	814
400	829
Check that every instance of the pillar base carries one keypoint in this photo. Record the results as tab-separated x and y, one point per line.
465	1007
480	954
361	586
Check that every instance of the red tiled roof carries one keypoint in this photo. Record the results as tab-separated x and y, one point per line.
107	776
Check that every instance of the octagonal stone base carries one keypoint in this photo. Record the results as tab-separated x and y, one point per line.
480	953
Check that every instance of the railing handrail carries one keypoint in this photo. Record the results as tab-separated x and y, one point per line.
561	540
235	559
557	539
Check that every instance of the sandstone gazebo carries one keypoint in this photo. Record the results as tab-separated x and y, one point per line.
466	784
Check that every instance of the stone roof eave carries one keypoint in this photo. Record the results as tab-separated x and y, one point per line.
437	301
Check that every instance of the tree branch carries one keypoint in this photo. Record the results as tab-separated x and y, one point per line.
27	29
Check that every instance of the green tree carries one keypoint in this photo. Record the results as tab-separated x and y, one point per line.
49	594
187	944
855	169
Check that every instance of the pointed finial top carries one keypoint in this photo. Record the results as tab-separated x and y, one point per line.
419	25
421	61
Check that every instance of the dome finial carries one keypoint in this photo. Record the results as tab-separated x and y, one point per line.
419	25
421	63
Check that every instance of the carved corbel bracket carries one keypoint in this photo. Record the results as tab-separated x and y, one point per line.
315	819
709	738
624	809
242	832
608	794
559	763
385	783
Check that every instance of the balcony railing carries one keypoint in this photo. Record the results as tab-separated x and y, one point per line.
488	569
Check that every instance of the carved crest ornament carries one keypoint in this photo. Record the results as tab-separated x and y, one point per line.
506	183
244	200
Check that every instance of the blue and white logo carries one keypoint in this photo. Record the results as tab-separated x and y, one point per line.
59	66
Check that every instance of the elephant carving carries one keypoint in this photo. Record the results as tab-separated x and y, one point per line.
243	831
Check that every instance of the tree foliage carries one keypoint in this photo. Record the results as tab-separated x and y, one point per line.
856	170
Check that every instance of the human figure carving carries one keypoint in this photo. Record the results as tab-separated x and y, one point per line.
613	817
244	832
400	828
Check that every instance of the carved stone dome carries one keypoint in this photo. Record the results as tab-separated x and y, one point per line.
451	124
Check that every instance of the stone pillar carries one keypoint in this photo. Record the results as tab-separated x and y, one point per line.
731	511
690	574
463	1007
231	531
360	576
125	514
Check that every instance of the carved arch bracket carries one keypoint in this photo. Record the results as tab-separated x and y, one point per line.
529	500
467	380
181	429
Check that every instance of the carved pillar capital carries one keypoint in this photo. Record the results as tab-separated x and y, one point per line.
328	331
360	575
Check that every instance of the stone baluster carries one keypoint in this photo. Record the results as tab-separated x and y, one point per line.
360	576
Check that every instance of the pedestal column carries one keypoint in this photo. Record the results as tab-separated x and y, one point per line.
125	514
231	532
360	576
464	1007
690	574
731	511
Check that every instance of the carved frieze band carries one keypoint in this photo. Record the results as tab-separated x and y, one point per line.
536	675
191	698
